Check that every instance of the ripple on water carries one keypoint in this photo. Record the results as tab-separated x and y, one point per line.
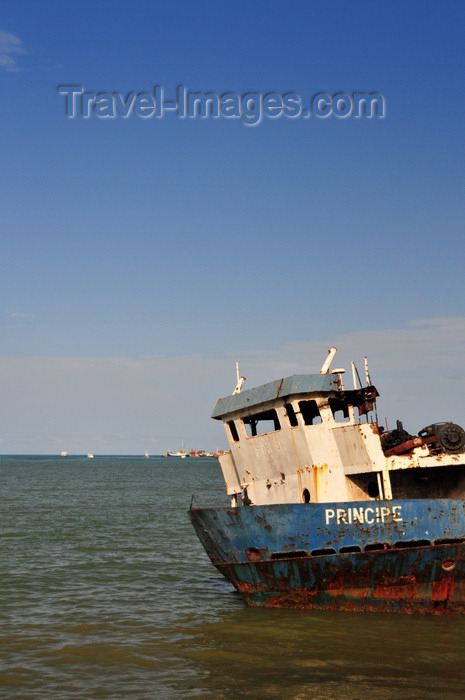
106	592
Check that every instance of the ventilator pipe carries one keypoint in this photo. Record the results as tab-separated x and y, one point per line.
327	363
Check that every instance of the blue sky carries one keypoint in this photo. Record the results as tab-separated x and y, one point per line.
142	257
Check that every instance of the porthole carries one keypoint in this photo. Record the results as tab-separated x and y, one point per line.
448	565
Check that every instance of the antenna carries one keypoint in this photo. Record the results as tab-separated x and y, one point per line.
240	381
367	373
354	369
355	375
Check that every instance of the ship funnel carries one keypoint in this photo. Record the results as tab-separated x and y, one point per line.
327	362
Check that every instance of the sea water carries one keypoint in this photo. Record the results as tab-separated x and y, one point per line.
107	593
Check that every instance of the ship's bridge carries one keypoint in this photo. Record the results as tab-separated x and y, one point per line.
296	438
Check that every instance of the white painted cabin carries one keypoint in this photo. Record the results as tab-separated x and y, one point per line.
305	439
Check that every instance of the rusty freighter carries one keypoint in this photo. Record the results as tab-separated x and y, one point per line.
331	511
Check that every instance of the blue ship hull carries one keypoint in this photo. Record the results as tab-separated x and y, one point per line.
390	556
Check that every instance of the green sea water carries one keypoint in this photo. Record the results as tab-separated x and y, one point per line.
105	592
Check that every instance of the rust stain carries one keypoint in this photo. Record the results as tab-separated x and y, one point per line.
368	582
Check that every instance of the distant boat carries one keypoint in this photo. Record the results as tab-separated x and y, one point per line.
146	454
90	455
63	454
180	453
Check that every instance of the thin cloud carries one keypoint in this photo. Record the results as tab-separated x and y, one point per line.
19	314
11	47
124	405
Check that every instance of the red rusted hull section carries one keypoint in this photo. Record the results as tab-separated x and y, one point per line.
423	580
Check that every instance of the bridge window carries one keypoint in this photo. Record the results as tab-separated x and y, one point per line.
340	410
310	412
233	431
260	423
291	415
